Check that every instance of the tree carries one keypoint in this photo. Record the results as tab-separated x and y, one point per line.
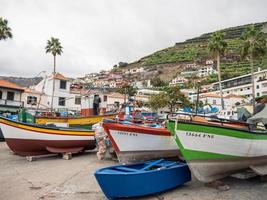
157	101
171	97
54	47
157	82
127	90
5	30
217	46
122	64
253	46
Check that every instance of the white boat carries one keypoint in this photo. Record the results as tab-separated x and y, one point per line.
133	143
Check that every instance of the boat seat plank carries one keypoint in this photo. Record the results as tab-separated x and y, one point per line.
127	169
152	164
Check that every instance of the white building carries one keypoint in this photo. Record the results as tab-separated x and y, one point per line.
206	70
189	73
242	85
61	93
34	99
209	62
239	86
145	94
179	80
230	101
191	66
135	70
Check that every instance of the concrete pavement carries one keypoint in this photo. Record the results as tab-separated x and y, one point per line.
54	178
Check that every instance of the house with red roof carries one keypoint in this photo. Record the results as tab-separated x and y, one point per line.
10	96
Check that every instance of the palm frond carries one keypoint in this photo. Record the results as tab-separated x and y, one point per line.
54	47
5	30
217	44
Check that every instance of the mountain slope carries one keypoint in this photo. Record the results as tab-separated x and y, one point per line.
196	50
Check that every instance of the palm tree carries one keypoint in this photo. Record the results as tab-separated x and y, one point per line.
253	46
217	46
54	47
5	31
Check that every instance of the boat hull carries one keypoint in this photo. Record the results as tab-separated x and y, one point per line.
137	143
214	152
209	170
30	140
123	184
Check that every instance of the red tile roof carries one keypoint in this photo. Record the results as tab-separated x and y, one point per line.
31	91
233	96
210	95
10	85
59	76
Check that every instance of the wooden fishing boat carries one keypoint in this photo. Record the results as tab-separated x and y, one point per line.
30	140
216	150
81	122
135	142
142	179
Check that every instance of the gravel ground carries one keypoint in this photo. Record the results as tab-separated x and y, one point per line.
54	178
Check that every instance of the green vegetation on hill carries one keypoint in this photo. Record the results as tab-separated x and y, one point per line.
196	50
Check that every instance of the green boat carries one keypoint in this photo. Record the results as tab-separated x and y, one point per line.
216	150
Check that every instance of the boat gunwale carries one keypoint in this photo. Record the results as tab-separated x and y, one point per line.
77	117
29	126
139	128
219	126
100	171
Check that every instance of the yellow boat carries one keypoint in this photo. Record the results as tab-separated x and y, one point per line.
81	122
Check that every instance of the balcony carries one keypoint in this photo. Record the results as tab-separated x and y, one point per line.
4	102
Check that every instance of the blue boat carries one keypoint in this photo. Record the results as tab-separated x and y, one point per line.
146	178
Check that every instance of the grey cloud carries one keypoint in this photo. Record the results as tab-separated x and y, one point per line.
97	34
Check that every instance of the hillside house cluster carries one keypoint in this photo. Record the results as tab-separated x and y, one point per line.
238	89
105	79
201	70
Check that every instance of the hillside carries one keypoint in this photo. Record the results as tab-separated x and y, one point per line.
196	50
23	82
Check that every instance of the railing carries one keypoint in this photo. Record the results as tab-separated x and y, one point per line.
11	103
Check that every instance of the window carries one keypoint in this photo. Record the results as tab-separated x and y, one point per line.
258	94
241	89
63	84
248	88
105	98
61	101
78	100
214	102
258	87
32	100
10	96
1	94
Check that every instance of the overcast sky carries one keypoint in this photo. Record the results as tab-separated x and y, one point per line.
96	34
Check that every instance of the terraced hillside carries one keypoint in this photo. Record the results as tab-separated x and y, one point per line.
196	50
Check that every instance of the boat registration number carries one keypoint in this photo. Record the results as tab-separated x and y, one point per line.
126	133
203	135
